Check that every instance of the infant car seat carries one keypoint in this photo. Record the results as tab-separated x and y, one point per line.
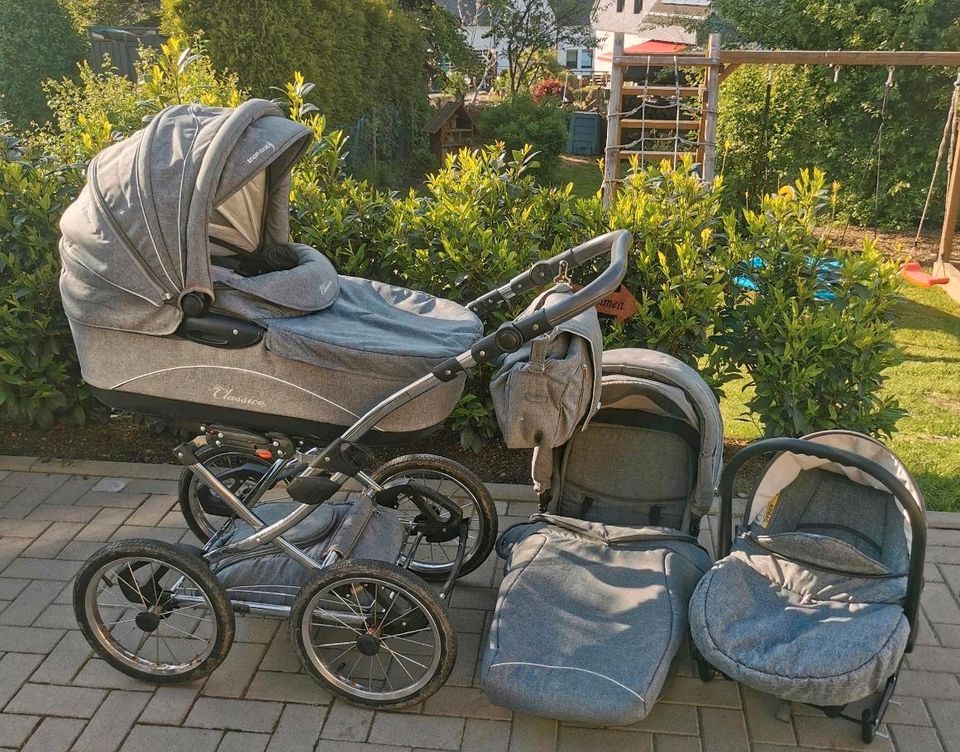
817	601
593	606
187	301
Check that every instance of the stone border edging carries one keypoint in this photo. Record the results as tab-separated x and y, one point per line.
148	471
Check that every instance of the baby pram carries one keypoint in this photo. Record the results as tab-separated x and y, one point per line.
818	600
593	604
187	302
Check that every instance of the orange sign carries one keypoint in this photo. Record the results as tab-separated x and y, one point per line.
620	303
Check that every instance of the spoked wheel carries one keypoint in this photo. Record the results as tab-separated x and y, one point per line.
204	511
433	561
373	634
153	610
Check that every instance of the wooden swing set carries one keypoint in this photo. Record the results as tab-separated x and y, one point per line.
693	127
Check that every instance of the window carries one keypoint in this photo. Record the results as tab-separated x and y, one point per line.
637	6
620	4
573	58
586	59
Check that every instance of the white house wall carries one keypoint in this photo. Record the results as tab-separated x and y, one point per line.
676	34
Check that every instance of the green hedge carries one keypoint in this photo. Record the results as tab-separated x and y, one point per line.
368	58
39	375
520	120
479	220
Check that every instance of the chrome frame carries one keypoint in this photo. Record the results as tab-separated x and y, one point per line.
617	242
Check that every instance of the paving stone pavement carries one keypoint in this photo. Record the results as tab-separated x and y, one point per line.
56	696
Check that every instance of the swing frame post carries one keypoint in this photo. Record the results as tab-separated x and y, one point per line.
711	108
952	211
611	154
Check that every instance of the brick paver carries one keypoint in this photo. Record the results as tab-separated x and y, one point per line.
55	695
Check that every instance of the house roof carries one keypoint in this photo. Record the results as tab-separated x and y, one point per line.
443	114
649	47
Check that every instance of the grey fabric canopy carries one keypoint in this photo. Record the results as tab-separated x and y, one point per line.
138	237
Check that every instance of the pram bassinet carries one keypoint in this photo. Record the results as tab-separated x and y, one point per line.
245	340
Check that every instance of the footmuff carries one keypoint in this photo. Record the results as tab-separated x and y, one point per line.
589	618
593	605
809	604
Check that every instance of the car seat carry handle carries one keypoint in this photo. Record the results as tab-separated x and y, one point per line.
511	335
915	512
543	272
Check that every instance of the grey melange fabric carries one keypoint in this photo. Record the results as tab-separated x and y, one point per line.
588	618
137	238
348	324
356	527
549	387
809	606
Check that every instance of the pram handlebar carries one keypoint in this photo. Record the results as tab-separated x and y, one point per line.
511	335
543	272
914	510
334	463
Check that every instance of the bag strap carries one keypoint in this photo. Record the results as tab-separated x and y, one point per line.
537	361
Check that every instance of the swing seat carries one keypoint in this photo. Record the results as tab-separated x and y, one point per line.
915	275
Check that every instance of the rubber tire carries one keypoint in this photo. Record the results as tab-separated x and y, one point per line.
400	579
205	454
470	481
185	560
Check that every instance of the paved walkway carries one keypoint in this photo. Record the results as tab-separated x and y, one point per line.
55	696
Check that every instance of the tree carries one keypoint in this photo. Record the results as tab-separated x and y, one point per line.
525	29
447	47
37	41
812	118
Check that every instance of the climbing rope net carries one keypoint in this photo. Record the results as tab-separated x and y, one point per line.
652	129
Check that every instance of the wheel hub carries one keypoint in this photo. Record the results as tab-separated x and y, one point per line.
147	621
367	644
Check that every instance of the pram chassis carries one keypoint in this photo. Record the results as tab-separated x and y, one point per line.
325	471
872	717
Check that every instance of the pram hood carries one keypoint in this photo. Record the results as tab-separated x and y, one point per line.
138	238
644	389
787	466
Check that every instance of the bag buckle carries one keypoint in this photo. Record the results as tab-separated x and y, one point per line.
563	274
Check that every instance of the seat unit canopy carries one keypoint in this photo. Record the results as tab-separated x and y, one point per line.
638	381
196	180
786	467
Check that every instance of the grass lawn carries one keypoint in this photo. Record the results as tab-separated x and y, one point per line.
927	383
582	172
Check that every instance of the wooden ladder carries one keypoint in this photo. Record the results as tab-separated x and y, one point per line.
629	125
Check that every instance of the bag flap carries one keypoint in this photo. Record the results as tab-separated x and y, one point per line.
821	551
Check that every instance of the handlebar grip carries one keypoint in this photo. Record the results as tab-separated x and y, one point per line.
510	336
618	242
544	271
